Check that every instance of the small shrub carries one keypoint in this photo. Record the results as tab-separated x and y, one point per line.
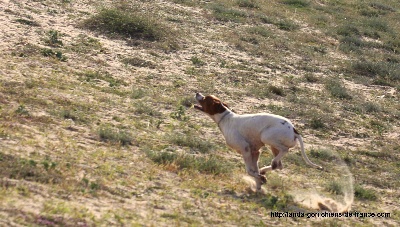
262	91
144	108
86	44
223	13
138	93
180	114
348	30
30	170
349	44
311	78
364	194
247	4
383	72
286	25
317	123
267	20
138	62
380	6
270	202
191	141
335	187
22	111
260	30
27	50
109	134
28	22
209	165
276	203
197	61
370	107
53	38
187	101
68	114
297	3
323	154
276	90
95	76
55	54
212	165
377	24
337	89
73	114
130	25
378	126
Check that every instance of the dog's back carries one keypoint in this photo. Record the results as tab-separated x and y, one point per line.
254	128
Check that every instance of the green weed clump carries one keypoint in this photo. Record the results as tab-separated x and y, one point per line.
202	164
53	38
364	194
322	154
337	89
224	13
335	187
53	53
192	142
126	24
383	73
297	3
112	135
95	76
45	171
27	22
251	4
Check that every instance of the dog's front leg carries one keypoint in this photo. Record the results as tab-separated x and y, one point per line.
251	161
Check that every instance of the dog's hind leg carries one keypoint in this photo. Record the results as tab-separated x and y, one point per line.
276	162
276	152
263	170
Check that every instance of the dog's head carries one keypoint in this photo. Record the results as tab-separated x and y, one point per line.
210	104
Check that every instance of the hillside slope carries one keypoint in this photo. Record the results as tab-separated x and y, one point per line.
97	125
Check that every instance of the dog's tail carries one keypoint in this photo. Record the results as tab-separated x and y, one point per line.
303	153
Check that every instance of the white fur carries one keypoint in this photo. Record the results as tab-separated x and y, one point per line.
249	132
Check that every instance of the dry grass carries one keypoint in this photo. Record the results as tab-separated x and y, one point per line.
96	117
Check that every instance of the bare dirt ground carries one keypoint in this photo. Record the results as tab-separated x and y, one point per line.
57	171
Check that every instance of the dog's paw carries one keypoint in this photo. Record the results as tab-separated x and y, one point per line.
274	165
263	179
264	170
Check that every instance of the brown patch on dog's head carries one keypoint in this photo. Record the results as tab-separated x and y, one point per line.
210	104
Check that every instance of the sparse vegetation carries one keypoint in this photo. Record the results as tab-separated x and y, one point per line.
53	38
337	89
224	13
108	134
27	22
97	117
297	3
364	194
208	165
138	62
190	140
335	187
53	53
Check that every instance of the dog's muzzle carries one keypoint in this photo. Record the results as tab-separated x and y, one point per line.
199	96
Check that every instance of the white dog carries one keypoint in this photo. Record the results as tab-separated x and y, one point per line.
249	132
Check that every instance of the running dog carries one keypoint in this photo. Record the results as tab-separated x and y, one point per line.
249	132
